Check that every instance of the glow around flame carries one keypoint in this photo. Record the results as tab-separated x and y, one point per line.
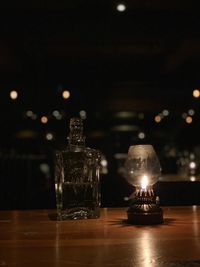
144	182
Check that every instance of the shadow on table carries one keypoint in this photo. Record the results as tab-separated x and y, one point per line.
124	222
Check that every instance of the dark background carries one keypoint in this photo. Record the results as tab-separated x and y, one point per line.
121	68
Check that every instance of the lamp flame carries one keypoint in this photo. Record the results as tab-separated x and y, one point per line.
144	182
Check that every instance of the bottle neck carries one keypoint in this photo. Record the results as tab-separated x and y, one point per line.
76	139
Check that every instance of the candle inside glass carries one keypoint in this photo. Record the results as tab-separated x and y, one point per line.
142	168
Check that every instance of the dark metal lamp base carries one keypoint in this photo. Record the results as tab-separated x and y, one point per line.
145	218
145	209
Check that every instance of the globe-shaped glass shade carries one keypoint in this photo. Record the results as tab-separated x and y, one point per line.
142	167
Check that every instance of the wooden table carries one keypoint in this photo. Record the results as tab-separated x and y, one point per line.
33	238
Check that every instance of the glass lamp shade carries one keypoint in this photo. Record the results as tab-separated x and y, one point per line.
142	167
142	170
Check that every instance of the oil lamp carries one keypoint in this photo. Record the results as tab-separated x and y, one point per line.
142	170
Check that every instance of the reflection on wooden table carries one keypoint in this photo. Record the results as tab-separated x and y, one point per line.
34	238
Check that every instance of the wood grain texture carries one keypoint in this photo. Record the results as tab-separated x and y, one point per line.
32	238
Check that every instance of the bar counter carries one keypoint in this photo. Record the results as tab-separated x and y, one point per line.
35	238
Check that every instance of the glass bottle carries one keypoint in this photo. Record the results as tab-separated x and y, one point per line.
77	177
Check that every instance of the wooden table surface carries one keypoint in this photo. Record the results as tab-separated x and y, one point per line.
34	238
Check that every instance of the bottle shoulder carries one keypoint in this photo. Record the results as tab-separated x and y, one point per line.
80	152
